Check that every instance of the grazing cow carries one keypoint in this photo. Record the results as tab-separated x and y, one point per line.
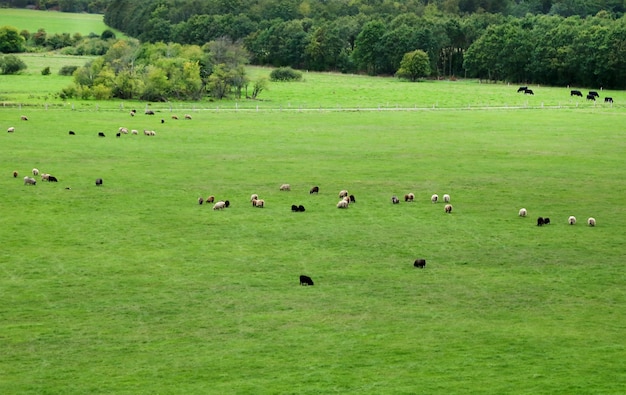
306	280
149	112
24	118
395	200
540	221
301	208
594	93
98	182
576	93
546	221
529	92
100	134
420	263
72	133
315	189
591	97
11	129
52	179
118	134
522	89
15	174
294	208
608	100
29	181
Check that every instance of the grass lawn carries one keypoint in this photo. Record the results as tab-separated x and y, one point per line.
54	22
134	288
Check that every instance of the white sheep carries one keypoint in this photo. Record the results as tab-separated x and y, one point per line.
29	181
434	198
285	187
35	172
11	129
342	204
254	197
446	198
219	205
24	118
591	221
448	208
571	220
123	130
134	131
522	212
187	116
343	194
260	203
45	177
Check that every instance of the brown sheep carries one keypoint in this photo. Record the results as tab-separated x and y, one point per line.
24	118
210	199
15	174
409	197
448	208
343	194
187	116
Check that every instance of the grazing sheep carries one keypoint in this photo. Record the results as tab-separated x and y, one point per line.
100	134
219	205
200	201
11	129
45	176
35	172
71	133
174	117
591	221
132	113
395	200
352	199
260	203
342	204
446	198
294	208
149	112
29	181
15	174
118	134
546	221
448	208
523	212
301	208
420	263
285	187
315	189
254	196
210	199
98	182
306	280
434	198
540	221
123	130
24	118
343	194
134	131
162	120
227	203
571	220
52	178
187	116
409	197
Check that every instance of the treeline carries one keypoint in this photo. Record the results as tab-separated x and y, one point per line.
373	35
90	6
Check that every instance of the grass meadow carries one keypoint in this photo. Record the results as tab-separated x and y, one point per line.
54	22
132	287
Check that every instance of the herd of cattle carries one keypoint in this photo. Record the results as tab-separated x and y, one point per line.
592	95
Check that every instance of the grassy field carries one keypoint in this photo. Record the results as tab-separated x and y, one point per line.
54	22
133	288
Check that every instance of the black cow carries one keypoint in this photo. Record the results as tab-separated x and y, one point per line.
301	208
294	208
52	179
72	133
608	100
98	182
576	93
594	93
306	280
118	134
591	97
522	89
315	189
149	112
420	263
529	92
546	221
100	134
540	221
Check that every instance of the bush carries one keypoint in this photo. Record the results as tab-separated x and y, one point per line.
46	71
11	64
107	34
285	74
67	70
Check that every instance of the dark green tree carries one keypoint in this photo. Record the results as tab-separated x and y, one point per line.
11	40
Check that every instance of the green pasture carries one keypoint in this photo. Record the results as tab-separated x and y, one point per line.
54	22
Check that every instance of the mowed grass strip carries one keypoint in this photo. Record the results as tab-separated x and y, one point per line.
132	287
54	22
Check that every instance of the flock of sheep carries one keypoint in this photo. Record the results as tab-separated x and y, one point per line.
571	220
28	180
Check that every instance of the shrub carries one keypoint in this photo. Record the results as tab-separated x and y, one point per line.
285	74
11	64
67	70
107	34
46	71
